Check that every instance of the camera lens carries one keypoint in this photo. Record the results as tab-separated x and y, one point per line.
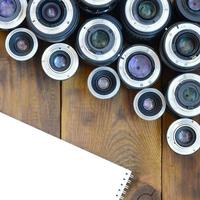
145	19
21	44
180	47
139	67
12	13
149	104
100	40
103	83
98	6
53	21
189	9
183	95
60	61
183	136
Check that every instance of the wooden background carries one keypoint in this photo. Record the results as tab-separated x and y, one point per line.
109	129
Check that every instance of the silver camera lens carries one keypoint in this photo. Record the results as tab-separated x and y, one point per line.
183	136
52	21
183	95
139	67
97	6
21	44
100	40
144	19
104	83
149	104
60	61
180	47
189	9
12	13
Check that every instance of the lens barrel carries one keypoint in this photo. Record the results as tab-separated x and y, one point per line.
104	83
100	40
12	13
183	136
21	44
53	21
60	61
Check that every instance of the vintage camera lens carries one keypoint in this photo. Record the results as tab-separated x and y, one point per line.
12	13
183	136
103	83
149	104
60	61
189	9
21	44
53	21
183	95
180	47
139	67
145	19
100	40
98	6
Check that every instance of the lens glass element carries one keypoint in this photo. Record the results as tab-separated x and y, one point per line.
7	8
100	39
22	45
60	62
194	5
103	83
149	104
147	10
190	94
140	66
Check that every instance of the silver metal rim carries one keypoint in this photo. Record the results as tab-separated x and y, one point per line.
97	95
52	30
140	114
172	141
18	20
97	2
28	56
168	43
82	38
56	74
144	27
137	83
171	97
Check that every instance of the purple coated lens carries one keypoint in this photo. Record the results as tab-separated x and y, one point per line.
194	5
103	83
22	45
60	61
140	66
7	8
149	104
51	12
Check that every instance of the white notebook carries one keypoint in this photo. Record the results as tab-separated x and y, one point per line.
38	166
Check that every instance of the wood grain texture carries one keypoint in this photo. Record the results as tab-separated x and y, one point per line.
27	94
112	130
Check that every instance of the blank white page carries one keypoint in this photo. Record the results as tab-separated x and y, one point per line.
37	166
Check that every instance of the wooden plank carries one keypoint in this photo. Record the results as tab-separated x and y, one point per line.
112	130
27	94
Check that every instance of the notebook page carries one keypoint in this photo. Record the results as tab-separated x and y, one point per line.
35	165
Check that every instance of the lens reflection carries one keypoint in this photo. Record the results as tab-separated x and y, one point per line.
7	8
147	10
100	39
194	5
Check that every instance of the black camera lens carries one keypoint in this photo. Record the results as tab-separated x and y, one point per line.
60	61
145	19
183	95
100	40
139	67
103	83
12	13
149	104
183	136
189	9
21	44
180	47
98	6
52	20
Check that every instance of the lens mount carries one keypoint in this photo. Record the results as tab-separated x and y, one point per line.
59	25
189	136
60	61
21	44
149	104
183	106
104	83
13	19
126	76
